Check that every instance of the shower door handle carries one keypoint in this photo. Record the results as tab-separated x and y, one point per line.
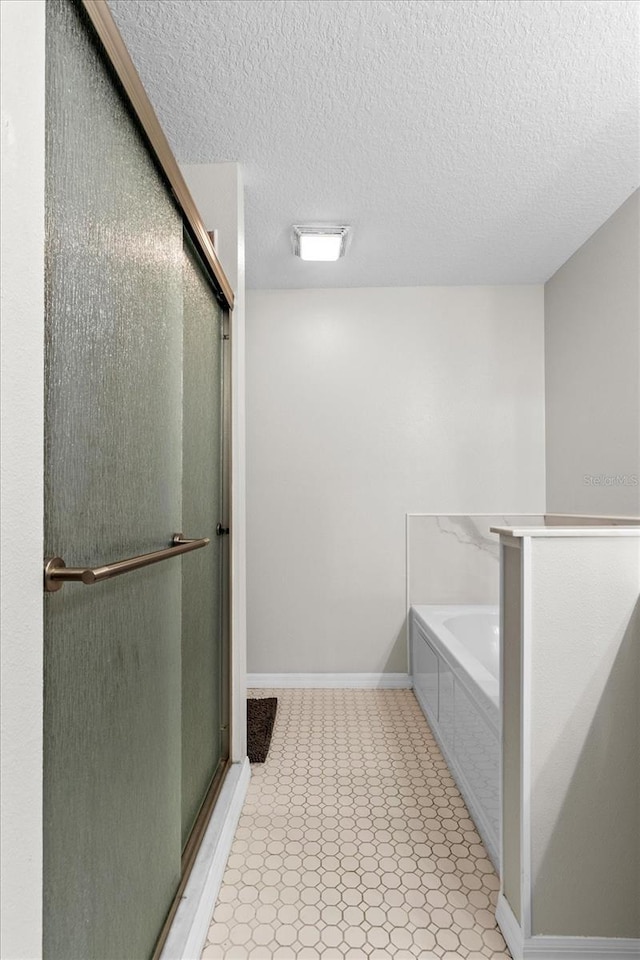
56	573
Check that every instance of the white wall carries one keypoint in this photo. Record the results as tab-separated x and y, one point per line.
592	333
22	372
218	192
585	736
363	405
571	740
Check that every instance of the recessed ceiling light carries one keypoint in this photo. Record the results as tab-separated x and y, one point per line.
319	243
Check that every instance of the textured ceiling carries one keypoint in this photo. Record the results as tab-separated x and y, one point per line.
465	141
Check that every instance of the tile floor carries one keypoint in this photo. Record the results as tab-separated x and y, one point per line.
354	842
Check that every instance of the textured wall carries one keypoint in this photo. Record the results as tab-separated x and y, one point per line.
364	405
592	363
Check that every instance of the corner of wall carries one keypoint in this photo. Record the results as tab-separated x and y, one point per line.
23	181
592	372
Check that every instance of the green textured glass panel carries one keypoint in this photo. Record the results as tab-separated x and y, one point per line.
112	839
202	659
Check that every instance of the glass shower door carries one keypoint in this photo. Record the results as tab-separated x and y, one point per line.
134	691
204	681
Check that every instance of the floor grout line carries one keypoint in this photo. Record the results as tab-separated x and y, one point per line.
354	842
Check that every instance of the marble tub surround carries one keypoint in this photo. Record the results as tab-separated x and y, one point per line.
583	531
354	842
454	558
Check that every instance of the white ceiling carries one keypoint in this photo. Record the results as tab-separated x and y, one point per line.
465	141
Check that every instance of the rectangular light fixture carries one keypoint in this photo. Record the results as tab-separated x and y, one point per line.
320	242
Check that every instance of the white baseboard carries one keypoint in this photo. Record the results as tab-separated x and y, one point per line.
510	928
355	681
188	933
560	948
581	948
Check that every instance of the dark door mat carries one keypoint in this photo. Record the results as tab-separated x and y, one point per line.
261	716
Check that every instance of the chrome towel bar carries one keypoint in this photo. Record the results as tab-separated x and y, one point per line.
56	572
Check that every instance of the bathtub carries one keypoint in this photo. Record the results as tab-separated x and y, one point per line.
455	665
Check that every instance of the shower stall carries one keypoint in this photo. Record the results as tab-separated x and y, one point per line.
136	684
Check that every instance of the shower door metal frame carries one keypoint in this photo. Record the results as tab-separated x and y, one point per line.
117	58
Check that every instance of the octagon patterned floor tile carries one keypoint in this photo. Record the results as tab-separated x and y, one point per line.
354	842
